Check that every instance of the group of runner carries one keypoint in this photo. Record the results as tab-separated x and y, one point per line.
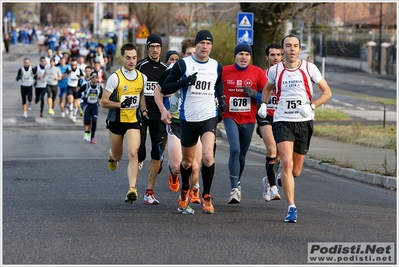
183	103
178	104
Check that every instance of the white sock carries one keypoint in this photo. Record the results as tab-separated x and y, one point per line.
291	206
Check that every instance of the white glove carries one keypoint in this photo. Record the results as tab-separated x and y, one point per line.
262	112
306	111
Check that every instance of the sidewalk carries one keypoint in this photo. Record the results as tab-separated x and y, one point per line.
365	162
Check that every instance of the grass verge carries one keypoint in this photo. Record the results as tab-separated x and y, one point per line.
355	133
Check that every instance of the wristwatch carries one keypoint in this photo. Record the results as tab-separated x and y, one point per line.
312	106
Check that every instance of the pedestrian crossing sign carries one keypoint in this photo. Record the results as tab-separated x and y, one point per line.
245	20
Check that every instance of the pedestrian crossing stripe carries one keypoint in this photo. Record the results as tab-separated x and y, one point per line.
245	22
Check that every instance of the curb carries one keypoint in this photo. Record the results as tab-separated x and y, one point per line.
370	178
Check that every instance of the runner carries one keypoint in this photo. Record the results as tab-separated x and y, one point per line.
26	75
124	97
153	68
91	94
198	113
293	118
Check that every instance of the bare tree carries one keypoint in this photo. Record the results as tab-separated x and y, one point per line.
268	21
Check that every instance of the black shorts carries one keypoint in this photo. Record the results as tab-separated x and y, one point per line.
298	132
190	131
72	91
262	122
52	91
173	129
120	128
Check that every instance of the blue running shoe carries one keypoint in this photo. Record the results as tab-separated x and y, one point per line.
291	216
279	180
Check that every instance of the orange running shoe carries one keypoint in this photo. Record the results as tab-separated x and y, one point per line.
207	206
174	183
182	201
194	196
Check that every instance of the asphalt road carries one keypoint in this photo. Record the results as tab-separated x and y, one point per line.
61	204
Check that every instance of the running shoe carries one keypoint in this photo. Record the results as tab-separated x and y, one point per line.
50	111
174	183
160	166
86	137
63	114
29	106
25	115
274	195
112	164
93	141
235	196
207	206
182	201
276	167
291	215
188	210
67	111
141	165
279	179
194	196
41	114
149	199
131	195
266	189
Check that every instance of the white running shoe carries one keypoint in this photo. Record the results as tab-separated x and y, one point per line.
149	199
235	196
74	118
25	115
141	165
266	189
63	114
274	195
29	106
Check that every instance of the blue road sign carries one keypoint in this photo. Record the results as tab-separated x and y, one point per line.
245	36
245	20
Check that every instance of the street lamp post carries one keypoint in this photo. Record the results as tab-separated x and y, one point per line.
5	25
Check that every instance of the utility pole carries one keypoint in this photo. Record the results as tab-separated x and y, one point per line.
314	36
379	45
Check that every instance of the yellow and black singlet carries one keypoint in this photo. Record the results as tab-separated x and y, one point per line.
126	88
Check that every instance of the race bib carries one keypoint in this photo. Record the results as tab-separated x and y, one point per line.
291	106
239	104
202	88
150	88
135	101
92	98
272	103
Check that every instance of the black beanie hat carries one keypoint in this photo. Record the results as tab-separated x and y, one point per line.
169	53
203	35
153	38
242	47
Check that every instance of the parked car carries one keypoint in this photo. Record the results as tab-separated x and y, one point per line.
304	53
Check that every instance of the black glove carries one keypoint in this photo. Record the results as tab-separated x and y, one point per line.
222	104
191	79
127	102
145	116
248	91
